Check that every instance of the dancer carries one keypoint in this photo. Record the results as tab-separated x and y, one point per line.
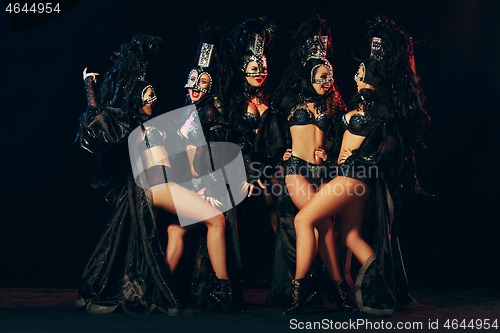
308	102
244	98
204	95
245	102
379	134
128	266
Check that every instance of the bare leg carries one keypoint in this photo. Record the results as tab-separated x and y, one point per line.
190	205
301	191
216	245
334	196
175	246
350	229
328	249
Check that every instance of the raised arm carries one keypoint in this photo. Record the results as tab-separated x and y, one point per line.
101	127
90	79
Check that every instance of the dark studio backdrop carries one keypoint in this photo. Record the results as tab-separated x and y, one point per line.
52	218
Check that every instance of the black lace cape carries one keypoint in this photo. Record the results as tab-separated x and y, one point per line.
380	284
127	267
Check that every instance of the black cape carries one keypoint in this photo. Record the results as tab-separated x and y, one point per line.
127	267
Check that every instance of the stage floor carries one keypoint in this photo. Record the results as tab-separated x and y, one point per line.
54	310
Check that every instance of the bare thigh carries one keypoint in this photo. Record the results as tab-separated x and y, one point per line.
300	190
182	202
352	216
332	197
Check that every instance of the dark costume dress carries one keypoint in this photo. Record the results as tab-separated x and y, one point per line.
381	283
215	129
257	210
128	266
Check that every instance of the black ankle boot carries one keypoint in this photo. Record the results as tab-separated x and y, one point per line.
222	296
340	296
302	295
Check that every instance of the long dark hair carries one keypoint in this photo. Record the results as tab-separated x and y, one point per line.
395	74
123	84
397	85
297	77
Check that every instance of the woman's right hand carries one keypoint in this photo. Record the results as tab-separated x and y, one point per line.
214	202
86	75
287	154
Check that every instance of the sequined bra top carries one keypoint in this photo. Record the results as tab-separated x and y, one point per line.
357	125
303	116
251	120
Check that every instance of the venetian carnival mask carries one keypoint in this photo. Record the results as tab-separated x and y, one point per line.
198	82
256	47
316	49
196	78
365	70
147	99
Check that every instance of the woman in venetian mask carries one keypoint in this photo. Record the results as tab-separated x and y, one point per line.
203	124
128	267
248	73
245	103
374	158
306	106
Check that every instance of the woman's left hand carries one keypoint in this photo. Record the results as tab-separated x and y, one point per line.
321	153
344	154
85	75
214	202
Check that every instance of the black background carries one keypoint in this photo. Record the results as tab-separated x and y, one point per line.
51	218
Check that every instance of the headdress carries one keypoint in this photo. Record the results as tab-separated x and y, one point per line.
377	51
256	47
390	69
208	60
249	40
391	65
205	56
312	41
317	47
377	54
310	49
124	85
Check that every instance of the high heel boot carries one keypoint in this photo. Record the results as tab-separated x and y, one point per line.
222	295
340	296
302	295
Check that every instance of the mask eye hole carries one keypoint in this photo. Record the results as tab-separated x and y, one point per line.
360	74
